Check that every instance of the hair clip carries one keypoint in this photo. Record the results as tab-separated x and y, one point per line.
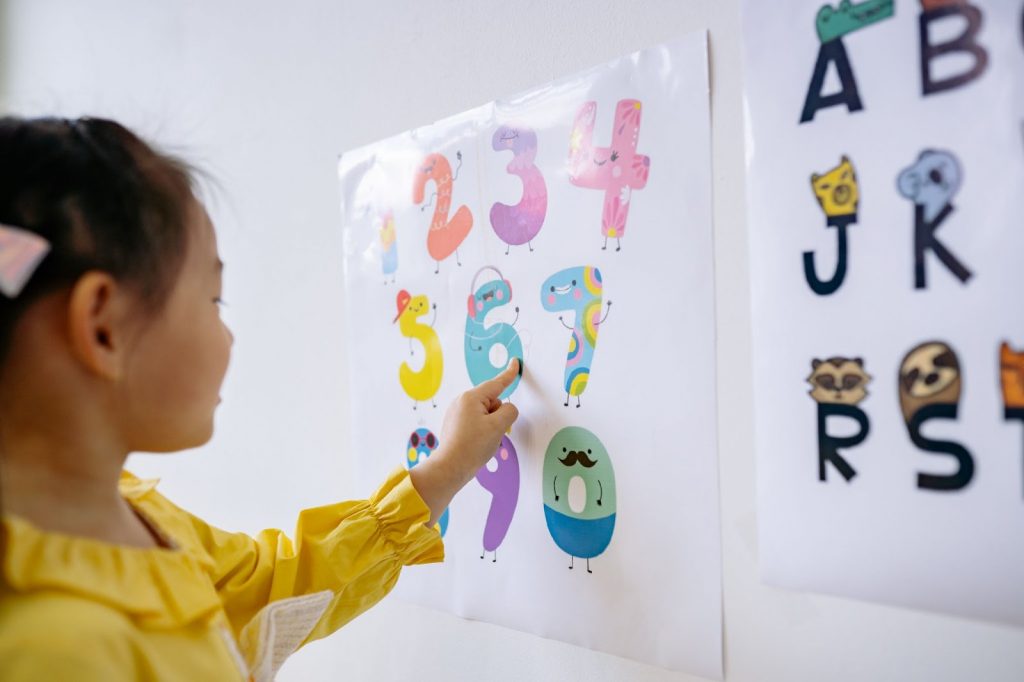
21	252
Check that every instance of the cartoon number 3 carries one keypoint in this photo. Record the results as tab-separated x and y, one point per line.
519	224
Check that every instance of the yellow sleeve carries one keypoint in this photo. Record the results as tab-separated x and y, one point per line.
354	549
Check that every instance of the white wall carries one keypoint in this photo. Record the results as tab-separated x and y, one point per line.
265	95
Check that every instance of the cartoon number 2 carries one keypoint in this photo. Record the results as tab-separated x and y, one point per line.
481	339
444	236
578	289
503	484
519	224
618	169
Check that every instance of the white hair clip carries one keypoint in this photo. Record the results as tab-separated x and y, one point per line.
21	252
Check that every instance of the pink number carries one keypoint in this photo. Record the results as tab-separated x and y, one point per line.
617	169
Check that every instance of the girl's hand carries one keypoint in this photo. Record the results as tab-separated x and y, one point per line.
473	426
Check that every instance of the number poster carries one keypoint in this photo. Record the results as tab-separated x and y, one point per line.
570	227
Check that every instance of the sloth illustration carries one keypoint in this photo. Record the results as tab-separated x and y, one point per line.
839	380
929	375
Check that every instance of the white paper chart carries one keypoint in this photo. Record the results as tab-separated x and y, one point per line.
569	226
885	168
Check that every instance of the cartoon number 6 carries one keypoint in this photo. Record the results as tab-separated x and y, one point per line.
480	338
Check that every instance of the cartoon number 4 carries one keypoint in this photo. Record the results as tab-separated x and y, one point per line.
618	169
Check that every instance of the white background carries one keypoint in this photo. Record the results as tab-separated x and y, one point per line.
264	98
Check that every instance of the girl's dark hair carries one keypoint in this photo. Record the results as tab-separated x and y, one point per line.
104	200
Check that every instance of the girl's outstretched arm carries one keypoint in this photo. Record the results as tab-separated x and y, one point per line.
473	427
345	557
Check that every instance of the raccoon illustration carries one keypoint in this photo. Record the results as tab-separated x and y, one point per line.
839	380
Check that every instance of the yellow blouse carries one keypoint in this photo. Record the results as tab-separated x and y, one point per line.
216	606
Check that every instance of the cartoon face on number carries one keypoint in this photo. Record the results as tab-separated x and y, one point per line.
579	290
482	338
422	443
488	296
518	139
579	493
571	288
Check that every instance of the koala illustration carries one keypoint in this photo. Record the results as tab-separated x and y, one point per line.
929	375
837	189
839	380
932	181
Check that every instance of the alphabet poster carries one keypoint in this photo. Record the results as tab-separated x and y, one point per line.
885	170
568	226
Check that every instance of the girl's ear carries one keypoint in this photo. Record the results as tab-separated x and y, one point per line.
96	324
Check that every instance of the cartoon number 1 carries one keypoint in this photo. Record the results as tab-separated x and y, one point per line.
617	169
388	244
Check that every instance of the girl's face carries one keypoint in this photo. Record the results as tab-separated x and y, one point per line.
175	370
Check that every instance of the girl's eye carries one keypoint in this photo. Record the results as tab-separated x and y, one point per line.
220	301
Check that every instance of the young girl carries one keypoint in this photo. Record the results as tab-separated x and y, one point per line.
111	342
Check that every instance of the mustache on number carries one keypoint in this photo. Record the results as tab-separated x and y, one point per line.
580	457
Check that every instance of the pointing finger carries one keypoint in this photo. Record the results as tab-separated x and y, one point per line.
490	390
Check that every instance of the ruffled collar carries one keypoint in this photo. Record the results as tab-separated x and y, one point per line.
158	588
